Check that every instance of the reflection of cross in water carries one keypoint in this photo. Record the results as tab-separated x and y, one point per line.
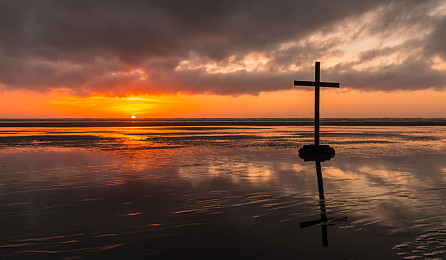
323	220
317	84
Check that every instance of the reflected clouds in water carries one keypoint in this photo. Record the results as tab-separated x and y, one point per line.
117	187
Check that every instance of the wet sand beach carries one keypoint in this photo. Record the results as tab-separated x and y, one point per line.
209	190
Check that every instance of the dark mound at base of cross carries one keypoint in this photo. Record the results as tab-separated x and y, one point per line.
311	152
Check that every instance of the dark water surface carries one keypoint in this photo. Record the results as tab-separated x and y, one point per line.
221	192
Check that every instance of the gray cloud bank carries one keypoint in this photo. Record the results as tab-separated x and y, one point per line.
166	46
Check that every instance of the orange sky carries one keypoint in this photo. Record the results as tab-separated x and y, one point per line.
291	103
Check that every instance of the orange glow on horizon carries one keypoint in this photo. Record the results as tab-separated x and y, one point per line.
289	103
122	107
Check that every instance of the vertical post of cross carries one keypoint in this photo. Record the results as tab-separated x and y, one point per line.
317	80
317	84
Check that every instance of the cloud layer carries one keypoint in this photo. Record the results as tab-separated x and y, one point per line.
221	47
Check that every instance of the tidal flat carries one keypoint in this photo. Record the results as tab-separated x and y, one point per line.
221	192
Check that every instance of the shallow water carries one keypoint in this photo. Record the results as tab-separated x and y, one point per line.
220	192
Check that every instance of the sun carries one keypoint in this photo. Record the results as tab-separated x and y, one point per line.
133	117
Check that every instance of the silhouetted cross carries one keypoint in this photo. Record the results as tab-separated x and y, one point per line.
317	84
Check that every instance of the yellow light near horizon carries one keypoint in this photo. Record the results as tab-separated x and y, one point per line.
133	117
115	106
288	103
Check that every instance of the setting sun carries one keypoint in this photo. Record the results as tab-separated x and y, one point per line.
133	117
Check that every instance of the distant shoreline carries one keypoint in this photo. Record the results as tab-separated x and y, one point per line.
220	122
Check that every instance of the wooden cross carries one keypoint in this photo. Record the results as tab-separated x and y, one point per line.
317	84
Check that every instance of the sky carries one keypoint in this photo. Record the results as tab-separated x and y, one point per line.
198	58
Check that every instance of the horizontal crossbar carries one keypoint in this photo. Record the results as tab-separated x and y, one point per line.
312	83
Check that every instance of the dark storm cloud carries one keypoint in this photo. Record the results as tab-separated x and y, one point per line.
437	40
102	46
